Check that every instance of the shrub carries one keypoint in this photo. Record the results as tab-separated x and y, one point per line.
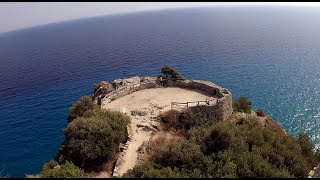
49	165
187	118
67	170
306	147
149	171
92	140
85	103
174	119
183	156
203	113
170	119
258	152
170	72
227	149
153	148
221	138
244	120
242	104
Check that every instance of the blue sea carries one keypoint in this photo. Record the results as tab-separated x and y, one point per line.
269	54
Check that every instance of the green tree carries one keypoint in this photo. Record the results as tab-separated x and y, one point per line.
67	170
94	139
242	104
170	72
83	105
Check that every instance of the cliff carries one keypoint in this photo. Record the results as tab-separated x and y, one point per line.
143	99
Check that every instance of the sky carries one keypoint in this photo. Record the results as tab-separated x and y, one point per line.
20	15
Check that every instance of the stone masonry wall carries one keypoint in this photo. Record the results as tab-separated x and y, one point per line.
108	92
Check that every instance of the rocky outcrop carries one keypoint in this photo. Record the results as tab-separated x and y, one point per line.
315	173
108	92
144	120
104	88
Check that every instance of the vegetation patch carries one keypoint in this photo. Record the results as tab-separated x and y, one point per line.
169	72
222	149
94	139
242	104
181	121
66	170
83	106
251	145
178	121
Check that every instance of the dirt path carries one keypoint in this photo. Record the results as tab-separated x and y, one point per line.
143	107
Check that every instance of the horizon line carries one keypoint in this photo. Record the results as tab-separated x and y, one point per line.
214	4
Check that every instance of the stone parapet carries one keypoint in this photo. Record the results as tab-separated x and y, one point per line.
118	88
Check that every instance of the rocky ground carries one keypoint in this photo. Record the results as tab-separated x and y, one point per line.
315	172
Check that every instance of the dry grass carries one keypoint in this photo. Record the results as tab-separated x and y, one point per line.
178	121
156	145
170	120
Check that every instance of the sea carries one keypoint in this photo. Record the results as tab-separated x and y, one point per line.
269	54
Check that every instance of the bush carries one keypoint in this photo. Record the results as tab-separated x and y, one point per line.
151	170
170	72
183	156
170	119
49	165
78	109
228	149
257	151
92	140
67	170
203	113
306	147
180	121
187	118
242	104
221	138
